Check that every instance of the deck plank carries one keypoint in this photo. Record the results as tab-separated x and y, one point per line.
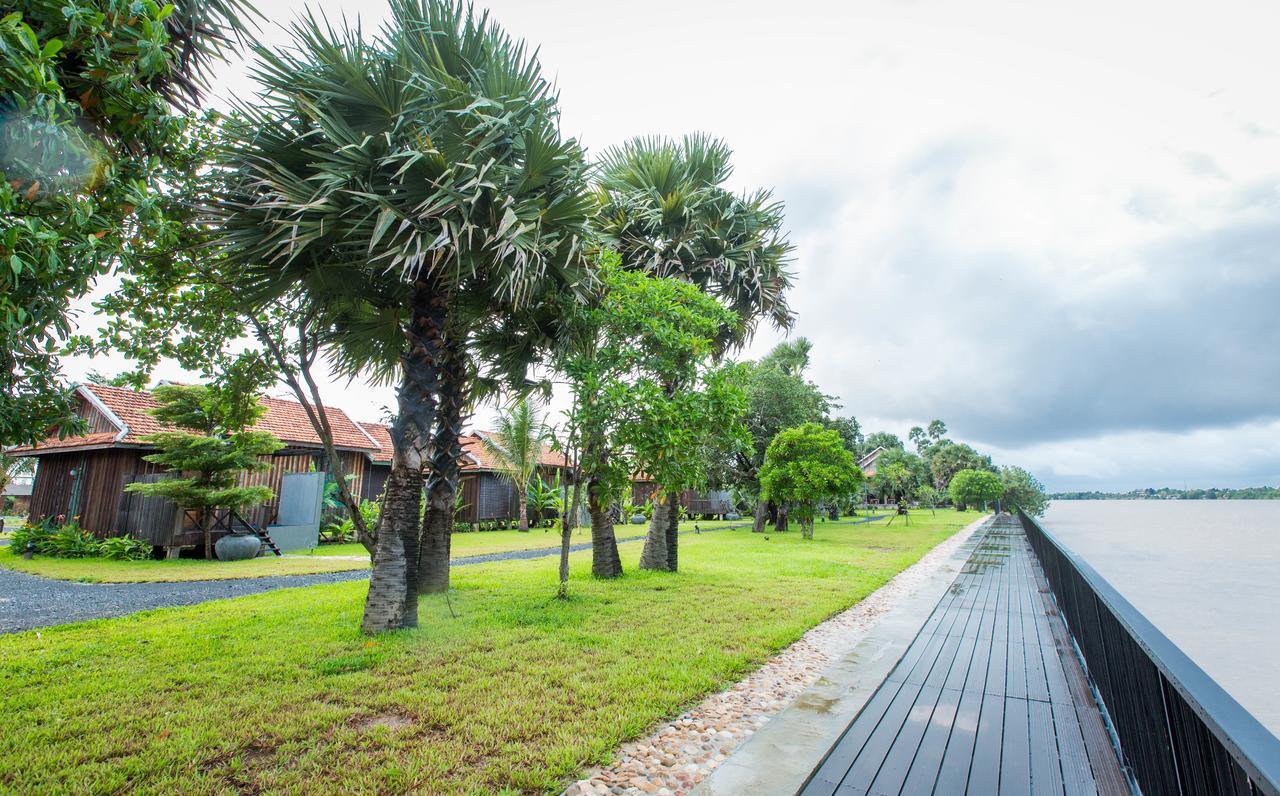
988	698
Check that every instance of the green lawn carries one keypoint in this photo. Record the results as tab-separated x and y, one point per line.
99	570
517	694
477	543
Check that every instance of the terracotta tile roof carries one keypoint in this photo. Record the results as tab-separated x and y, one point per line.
284	418
381	435
481	460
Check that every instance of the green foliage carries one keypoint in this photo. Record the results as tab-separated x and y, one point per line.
881	439
899	474
806	465
346	530
663	207
625	352
545	495
213	448
946	458
1022	491
88	123
850	431
71	541
517	444
975	488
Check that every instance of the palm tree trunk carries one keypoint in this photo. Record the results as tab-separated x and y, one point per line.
654	555
524	512
393	586
442	486
392	601
605	561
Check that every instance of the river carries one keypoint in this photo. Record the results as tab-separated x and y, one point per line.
1207	573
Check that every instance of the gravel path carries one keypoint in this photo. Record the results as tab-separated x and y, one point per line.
680	754
30	601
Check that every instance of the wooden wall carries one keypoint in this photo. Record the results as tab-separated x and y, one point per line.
94	494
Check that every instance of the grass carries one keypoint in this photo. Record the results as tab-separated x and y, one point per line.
478	543
326	558
100	570
517	694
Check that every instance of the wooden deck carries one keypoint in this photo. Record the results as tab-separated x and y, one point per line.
988	699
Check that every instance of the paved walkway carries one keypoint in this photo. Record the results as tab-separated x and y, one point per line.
988	699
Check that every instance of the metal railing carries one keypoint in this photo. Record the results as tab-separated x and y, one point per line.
1179	731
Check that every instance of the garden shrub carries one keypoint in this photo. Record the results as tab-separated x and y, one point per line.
124	548
69	540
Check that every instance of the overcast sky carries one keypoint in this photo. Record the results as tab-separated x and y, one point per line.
1054	226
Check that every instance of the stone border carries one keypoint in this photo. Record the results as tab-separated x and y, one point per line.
811	698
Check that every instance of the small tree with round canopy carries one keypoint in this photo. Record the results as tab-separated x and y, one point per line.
974	488
806	465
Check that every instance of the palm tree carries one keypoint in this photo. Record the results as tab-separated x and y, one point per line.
663	205
416	185
517	447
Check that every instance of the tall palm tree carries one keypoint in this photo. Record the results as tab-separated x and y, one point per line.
417	186
516	447
663	206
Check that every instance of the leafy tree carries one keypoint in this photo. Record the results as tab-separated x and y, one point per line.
806	465
517	447
1022	491
918	438
937	430
640	334
974	488
882	439
208	450
91	102
929	496
899	475
778	398
431	217
663	207
946	458
850	431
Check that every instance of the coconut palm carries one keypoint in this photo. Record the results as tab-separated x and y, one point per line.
516	447
417	186
663	205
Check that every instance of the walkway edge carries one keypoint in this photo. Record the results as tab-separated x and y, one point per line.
780	756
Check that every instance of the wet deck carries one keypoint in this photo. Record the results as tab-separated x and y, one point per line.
988	699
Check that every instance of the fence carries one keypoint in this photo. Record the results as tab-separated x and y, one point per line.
1179	731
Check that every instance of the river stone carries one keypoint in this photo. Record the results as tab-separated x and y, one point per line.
237	548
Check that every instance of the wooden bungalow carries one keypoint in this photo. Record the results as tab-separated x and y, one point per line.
84	476
486	495
711	504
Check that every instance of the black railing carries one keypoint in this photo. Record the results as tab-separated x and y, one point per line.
1179	731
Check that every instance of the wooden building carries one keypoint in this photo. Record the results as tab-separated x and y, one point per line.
84	476
707	505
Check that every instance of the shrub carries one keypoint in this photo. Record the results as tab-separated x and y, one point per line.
345	531
124	548
69	541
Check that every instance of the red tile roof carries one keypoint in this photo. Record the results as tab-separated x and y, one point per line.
284	418
381	435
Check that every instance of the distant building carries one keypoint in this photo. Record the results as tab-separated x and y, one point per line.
867	464
19	489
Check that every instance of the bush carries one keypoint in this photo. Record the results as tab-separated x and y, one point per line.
345	531
124	548
71	541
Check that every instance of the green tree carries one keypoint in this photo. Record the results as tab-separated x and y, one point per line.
928	496
208	450
882	439
974	488
850	431
640	334
778	398
517	446
806	465
937	430
946	458
91	93
431	217
1022	491
663	206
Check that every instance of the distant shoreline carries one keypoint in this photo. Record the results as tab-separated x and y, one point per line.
1166	493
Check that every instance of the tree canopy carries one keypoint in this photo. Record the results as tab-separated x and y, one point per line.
805	465
975	488
1022	491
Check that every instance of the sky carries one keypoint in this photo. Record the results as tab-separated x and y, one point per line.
1054	226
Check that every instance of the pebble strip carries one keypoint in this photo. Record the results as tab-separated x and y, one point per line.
684	752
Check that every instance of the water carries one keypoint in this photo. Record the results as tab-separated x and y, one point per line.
1206	573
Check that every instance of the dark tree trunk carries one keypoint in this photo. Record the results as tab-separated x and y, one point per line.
673	537
442	485
208	534
392	601
567	520
762	514
654	555
605	561
782	525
